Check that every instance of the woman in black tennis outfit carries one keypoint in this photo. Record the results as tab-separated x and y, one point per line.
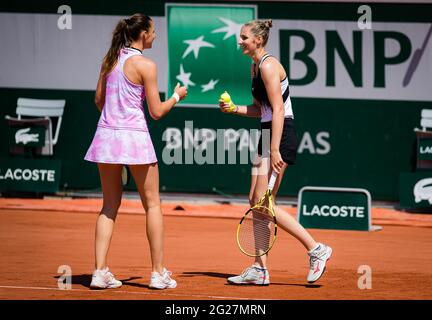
272	103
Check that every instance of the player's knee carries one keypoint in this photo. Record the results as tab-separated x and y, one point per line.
151	200
152	207
110	208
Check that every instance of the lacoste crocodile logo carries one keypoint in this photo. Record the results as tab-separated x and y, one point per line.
21	136
423	190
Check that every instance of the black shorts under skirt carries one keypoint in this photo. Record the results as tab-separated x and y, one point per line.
288	144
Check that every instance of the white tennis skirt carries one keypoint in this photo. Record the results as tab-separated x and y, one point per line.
121	146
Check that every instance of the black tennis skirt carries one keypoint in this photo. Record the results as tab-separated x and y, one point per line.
288	144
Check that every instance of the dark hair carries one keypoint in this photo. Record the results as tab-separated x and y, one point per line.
260	28
126	31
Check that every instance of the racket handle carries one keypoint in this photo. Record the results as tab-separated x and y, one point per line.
272	180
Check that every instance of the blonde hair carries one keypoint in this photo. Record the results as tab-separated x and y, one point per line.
260	28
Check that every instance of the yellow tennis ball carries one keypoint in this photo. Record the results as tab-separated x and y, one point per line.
225	97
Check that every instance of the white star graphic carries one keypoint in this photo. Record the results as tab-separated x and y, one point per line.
209	86
184	77
195	45
231	29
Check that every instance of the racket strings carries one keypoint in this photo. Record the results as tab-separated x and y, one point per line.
257	230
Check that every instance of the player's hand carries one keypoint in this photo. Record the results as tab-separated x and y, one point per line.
224	107
227	107
181	91
276	161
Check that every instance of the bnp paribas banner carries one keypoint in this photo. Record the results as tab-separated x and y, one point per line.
324	59
204	54
338	59
196	45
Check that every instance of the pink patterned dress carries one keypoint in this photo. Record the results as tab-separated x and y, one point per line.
122	135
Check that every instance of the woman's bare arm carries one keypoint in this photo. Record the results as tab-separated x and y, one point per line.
100	91
156	107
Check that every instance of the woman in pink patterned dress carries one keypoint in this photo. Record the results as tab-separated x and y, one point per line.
122	138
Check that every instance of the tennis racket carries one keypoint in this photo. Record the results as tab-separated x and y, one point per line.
257	229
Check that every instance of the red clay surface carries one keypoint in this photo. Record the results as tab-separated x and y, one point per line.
38	236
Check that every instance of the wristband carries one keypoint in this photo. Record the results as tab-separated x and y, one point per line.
176	96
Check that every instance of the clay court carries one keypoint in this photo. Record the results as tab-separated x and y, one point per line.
39	235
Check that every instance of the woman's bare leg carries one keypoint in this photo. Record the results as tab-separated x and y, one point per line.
285	220
288	223
147	181
259	185
110	176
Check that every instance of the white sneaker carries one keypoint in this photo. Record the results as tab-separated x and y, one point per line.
317	261
104	279
162	281
252	275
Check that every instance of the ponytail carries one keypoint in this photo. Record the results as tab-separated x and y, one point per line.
119	40
126	31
